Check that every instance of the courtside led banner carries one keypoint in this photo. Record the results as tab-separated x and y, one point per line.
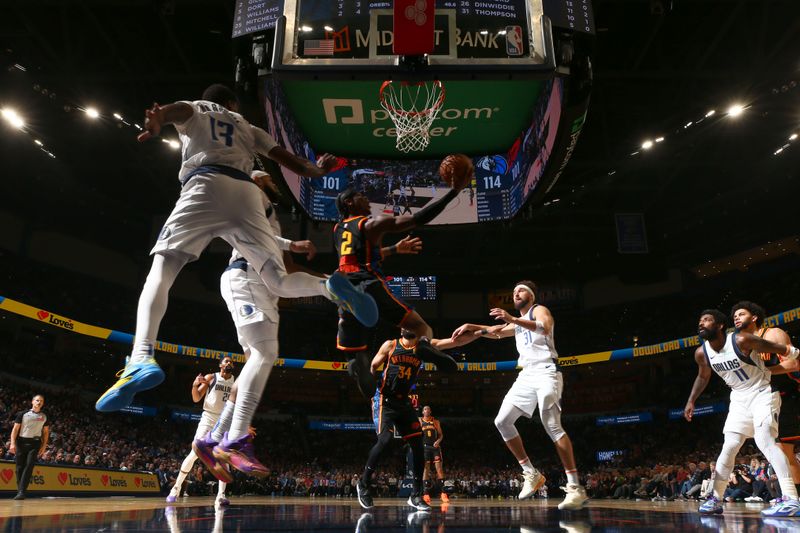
52	319
64	479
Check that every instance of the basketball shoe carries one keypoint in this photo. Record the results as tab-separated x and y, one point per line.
240	455
533	482
360	305
135	377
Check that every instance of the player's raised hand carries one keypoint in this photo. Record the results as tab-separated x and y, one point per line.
153	121
199	380
409	245
326	162
501	314
688	411
304	247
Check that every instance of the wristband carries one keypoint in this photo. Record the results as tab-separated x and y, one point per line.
791	352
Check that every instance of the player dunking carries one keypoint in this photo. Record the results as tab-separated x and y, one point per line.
392	409
753	410
749	318
432	436
539	384
218	199
213	389
358	238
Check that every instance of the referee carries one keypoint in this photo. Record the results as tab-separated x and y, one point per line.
29	441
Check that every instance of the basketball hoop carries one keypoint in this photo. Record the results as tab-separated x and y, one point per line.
412	106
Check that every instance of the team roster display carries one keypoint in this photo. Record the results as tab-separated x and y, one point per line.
413	287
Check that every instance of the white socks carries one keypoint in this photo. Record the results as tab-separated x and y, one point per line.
224	422
153	303
572	477
527	466
251	385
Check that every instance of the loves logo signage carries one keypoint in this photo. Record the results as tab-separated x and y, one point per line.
54	479
55	320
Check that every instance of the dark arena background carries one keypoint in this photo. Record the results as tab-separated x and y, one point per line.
637	159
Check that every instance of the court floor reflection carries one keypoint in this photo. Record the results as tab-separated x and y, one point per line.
290	515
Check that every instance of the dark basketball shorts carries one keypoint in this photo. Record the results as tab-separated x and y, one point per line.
789	420
388	414
433	454
353	336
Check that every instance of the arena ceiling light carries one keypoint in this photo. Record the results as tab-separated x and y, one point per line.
327	28
92	112
793	136
735	110
659	139
647	144
172	143
13	118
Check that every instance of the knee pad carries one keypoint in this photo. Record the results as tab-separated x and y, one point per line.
551	420
506	428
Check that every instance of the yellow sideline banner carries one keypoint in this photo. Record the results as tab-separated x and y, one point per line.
620	354
59	479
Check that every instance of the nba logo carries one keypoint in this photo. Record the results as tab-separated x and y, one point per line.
514	40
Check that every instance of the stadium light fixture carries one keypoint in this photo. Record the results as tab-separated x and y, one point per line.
13	118
735	110
647	144
92	113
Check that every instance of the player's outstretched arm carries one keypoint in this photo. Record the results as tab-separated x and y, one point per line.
749	343
299	165
390	224
499	331
158	116
700	382
786	365
542	319
406	245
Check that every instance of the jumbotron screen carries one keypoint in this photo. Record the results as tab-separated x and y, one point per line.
413	287
503	180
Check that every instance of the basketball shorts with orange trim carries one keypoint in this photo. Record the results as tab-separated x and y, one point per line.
789	419
388	413
353	336
433	454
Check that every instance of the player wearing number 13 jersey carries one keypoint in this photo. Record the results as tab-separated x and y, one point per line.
218	199
753	412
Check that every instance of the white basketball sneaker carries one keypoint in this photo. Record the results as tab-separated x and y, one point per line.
533	482
575	499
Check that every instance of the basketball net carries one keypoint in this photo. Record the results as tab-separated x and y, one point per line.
412	107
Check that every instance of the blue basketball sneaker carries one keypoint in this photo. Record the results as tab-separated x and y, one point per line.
135	377
711	506
783	508
361	305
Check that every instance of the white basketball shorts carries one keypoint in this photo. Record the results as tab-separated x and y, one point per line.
253	308
751	409
534	387
216	205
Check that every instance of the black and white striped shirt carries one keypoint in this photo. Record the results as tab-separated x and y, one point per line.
31	424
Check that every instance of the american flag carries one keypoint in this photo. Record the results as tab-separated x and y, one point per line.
318	47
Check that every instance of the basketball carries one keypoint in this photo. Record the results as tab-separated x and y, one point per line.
456	170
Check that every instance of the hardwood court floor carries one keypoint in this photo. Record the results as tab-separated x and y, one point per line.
324	514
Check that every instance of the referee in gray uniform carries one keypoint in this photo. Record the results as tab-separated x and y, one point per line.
29	441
